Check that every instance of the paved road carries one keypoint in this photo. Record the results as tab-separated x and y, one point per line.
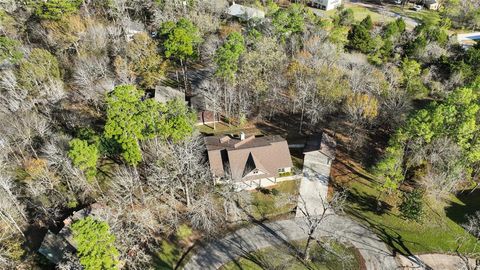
314	185
215	254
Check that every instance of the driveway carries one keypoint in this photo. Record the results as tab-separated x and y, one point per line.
217	253
314	185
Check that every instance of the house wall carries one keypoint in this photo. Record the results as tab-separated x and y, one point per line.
326	4
264	182
433	6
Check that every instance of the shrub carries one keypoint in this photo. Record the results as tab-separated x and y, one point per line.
412	205
184	232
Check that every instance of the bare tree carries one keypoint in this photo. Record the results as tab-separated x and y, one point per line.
312	218
470	260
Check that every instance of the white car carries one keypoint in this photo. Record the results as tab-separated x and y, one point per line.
417	7
398	2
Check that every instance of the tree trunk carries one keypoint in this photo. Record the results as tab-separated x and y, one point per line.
306	252
301	118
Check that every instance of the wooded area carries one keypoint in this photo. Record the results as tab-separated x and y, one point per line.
77	125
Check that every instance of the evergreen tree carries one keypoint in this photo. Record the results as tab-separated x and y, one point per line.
84	156
228	55
367	23
360	39
55	9
130	119
95	244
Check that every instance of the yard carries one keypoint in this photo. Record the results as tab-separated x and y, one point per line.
360	12
437	231
276	201
283	257
424	15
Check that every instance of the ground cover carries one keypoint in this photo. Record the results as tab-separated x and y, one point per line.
286	257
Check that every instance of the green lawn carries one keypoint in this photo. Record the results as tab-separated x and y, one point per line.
360	13
436	232
424	15
283	257
274	201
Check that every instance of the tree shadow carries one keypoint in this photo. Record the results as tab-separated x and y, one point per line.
470	204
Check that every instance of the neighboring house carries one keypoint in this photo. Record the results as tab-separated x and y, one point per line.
469	39
245	13
432	4
166	93
55	246
251	161
326	4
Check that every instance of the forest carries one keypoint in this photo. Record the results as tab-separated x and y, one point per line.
78	126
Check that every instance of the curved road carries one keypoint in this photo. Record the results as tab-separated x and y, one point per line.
246	240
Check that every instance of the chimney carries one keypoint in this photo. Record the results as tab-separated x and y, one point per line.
242	136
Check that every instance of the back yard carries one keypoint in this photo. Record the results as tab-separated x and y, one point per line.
436	232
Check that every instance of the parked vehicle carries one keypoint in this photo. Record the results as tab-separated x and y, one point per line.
417	7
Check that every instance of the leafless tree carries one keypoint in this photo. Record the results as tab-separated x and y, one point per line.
178	169
92	78
204	214
470	260
313	218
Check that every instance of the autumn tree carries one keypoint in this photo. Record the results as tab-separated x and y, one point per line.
95	244
39	74
361	108
10	50
145	61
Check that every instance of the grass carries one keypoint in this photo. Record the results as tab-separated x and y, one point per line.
173	249
283	257
436	232
424	15
267	204
361	12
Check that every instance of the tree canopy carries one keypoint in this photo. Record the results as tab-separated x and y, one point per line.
95	244
181	39
84	156
228	55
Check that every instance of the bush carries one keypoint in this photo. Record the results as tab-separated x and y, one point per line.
55	9
275	192
184	232
412	205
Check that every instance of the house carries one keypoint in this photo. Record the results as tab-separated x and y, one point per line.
245	13
249	162
55	245
468	40
432	4
165	93
326	4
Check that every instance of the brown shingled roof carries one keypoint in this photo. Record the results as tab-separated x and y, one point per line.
240	158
